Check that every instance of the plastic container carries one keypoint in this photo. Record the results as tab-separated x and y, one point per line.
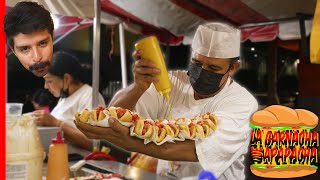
151	51
58	166
24	150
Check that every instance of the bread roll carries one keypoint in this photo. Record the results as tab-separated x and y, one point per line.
112	111
264	118
169	130
76	116
210	123
200	130
99	117
160	135
287	172
84	116
138	127
149	132
308	118
127	117
286	116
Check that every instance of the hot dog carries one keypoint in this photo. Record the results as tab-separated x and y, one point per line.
172	129
97	114
143	128
122	114
192	129
182	128
83	116
160	133
202	129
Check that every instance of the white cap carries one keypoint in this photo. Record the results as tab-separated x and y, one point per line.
217	40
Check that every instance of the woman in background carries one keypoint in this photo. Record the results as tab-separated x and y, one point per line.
65	80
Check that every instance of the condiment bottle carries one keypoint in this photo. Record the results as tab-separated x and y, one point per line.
151	51
58	166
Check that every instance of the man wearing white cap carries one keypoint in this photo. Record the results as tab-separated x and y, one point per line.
206	87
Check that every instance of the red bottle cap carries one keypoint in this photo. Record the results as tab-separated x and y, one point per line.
58	139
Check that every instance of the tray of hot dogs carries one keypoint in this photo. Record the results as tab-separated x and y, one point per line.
157	131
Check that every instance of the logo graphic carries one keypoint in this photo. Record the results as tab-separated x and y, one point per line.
282	143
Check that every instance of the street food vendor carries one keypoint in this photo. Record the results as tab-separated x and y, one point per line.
29	31
207	86
65	79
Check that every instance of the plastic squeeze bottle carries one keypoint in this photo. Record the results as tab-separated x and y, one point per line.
58	166
151	51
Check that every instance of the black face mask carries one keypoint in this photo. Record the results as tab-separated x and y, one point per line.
64	93
203	81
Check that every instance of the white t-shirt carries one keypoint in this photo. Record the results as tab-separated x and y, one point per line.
223	151
79	100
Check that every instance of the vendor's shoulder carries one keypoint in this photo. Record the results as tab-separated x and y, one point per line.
236	91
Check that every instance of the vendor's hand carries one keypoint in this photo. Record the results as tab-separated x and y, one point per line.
144	71
44	118
117	134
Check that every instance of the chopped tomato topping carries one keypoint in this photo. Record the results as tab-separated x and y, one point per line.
135	117
145	128
99	109
190	125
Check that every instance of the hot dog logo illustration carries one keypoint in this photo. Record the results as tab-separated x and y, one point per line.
283	144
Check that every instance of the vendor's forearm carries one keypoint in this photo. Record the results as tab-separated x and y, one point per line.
179	151
127	97
76	137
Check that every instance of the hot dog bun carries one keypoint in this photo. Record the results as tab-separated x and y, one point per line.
210	123
175	130
160	134
184	127
264	119
193	131
286	172
168	129
308	118
112	111
99	117
127	117
149	131
285	115
138	127
84	116
77	116
278	116
200	130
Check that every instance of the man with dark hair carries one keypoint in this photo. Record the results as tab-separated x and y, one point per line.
29	30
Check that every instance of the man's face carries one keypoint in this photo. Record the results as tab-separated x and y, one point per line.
34	51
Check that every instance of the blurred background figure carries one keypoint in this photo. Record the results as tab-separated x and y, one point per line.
43	100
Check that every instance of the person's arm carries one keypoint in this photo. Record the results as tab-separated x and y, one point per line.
75	136
72	134
144	72
178	151
119	136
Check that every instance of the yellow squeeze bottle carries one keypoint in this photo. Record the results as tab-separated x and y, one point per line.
58	166
151	51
